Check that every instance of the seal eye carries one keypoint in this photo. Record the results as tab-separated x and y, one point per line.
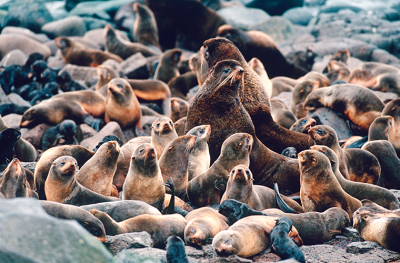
303	122
170	123
233	171
181	103
226	70
120	86
158	125
141	151
319	131
63	163
311	86
201	131
247	172
184	140
240	144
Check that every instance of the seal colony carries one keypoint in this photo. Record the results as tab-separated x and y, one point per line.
188	141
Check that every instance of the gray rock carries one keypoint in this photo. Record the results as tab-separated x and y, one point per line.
34	135
28	231
128	240
42	38
372	249
299	15
111	128
396	193
352	234
14	57
31	166
385	96
69	26
135	67
230	259
157	253
362	247
12	120
57	9
56	61
243	18
127	256
29	14
94	23
87	74
380	55
98	9
277	27
16	99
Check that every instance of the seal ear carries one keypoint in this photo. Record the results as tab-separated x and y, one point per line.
314	159
170	148
332	161
63	43
135	7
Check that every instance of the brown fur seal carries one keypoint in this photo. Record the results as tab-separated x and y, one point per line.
369	73
13	182
174	163
222	88
145	26
76	53
358	190
310	82
337	71
81	154
240	187
91	223
385	153
144	179
281	114
303	125
380	209
150	89
124	48
106	74
258	67
62	187
253	97
282	84
162	133
202	224
360	105
372	227
208	188
320	189
122	106
260	45
393	109
167	68
199	158
181	85
180	126
179	109
355	164
160	227
79	106
383	128
248	237
98	172
198	65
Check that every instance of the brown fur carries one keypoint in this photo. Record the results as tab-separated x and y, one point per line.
145	26
180	126
181	85
367	74
106	74
337	70
179	109
282	84
167	68
393	109
303	125
258	67
162	133
199	66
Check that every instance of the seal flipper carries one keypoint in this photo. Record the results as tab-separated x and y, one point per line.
95	123
171	207
281	204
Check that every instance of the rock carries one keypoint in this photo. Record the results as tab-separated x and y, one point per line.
94	23
125	18
34	135
56	61
135	67
277	27
14	57
12	120
243	18
87	131
87	74
194	252
362	247
29	14
69	26
42	38
352	234
16	99
127	256
116	244
396	193
372	249
97	37
230	259
89	9
26	44
157	253
299	15
31	166
111	128
285	97
56	9
382	56
28	231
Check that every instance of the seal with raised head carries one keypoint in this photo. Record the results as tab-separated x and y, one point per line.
179	108
62	187
167	69
320	189
392	108
162	133
176	250
258	67
145	26
199	158
282	84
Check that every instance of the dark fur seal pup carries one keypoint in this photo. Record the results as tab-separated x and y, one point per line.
179	108
253	97
385	153
358	190
199	158
62	187
290	152
160	227
262	46
145	26
162	133
76	53
79	106
67	83
181	85
355	164
108	138
62	133
86	219
8	139
176	250
235	210
360	105
167	69
282	244
124	48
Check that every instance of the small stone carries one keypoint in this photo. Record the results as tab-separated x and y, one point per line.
362	247
128	240
135	67
111	128
243	18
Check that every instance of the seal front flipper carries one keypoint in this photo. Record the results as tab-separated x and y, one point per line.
171	207
281	204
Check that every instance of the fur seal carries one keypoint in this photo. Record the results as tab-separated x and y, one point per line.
8	140
180	126
290	152
355	164
385	153
361	191
160	227
162	133
176	250
260	45
81	106
62	133
197	65
199	158
91	223
76	53
240	187
360	105
337	71
310	82
167	69
81	154
202	224
208	188
320	189
382	128
122	105
258	67
62	187
150	89
303	125
393	109
124	48
145	26
144	179
179	109
248	237
252	95
281	114
98	172
181	85
105	74
282	84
